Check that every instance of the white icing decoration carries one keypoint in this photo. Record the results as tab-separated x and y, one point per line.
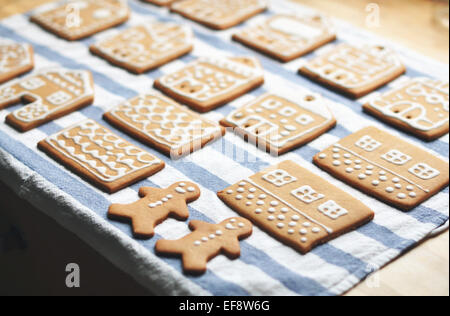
219	233
229	226
307	194
368	143
396	157
424	171
279	178
316	230
102	166
332	210
180	190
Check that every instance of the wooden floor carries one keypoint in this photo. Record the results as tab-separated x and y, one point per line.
424	270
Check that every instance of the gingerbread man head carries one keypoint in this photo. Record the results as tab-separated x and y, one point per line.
238	227
185	190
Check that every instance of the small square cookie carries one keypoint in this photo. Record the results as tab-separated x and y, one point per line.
51	94
354	71
164	124
101	157
15	59
419	106
146	46
385	167
77	19
287	37
280	122
219	14
296	206
211	82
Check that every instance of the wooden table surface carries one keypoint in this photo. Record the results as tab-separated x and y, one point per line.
424	270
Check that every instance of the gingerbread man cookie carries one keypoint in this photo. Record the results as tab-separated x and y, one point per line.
419	106
15	59
156	206
206	242
287	37
77	19
354	70
51	94
219	14
146	46
210	82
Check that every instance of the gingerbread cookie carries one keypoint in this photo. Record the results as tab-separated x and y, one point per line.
287	37
354	71
385	167
155	207
296	206
77	19
419	106
15	59
278	124
211	82
219	14
146	46
99	156
206	242
51	94
162	123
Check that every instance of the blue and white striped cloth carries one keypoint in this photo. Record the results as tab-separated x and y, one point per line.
266	267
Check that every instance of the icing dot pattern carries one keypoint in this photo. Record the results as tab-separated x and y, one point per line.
275	214
378	178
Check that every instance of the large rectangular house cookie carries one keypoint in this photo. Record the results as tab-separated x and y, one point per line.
77	19
419	106
385	167
296	206
287	37
50	94
219	14
211	82
101	157
164	124
15	59
354	71
146	46
280	122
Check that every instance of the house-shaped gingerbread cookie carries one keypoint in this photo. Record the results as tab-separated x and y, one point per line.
50	93
296	206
